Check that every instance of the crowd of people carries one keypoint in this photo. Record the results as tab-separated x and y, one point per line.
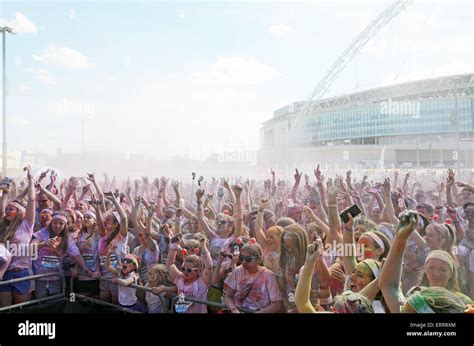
344	244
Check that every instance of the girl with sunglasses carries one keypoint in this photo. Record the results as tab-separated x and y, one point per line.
127	275
193	279
251	285
16	227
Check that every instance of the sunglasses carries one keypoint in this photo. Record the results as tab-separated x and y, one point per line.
221	222
10	209
188	270
127	261
88	217
247	259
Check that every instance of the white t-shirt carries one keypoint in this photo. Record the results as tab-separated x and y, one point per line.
127	295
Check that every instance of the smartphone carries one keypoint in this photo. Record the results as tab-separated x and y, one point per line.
175	239
354	210
227	255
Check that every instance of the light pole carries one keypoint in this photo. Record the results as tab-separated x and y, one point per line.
458	168
4	31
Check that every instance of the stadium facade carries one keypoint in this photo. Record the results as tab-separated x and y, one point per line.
413	124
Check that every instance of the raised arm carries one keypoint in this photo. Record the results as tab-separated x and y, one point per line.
123	215
53	198
303	288
30	206
225	183
449	186
107	261
238	214
175	187
349	260
334	220
172	269
206	273
200	215
259	235
391	274
100	193
310	215
296	185
4	200
388	212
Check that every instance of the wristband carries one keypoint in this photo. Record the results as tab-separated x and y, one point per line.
332	205
261	210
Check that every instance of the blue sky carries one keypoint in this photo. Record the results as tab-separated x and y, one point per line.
172	78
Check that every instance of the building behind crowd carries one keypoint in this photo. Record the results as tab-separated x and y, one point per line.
413	124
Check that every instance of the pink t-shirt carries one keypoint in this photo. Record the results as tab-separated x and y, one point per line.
253	291
50	259
196	289
22	239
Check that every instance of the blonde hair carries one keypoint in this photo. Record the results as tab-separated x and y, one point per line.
195	260
441	300
161	273
8	228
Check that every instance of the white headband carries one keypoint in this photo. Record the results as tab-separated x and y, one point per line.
376	239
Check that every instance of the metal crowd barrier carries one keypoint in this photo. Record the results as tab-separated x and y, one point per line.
37	300
205	302
100	302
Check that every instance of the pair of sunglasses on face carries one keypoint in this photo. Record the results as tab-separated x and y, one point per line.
247	259
188	270
127	261
221	222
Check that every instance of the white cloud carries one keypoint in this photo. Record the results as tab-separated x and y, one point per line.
280	29
235	71
42	75
20	25
64	57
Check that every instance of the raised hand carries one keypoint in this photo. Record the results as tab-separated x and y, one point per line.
297	175
332	191
407	225
263	204
199	194
237	188
450	178
386	186
225	183
91	177
314	251
27	169
43	174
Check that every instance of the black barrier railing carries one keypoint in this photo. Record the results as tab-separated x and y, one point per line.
119	307
205	302
36	300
